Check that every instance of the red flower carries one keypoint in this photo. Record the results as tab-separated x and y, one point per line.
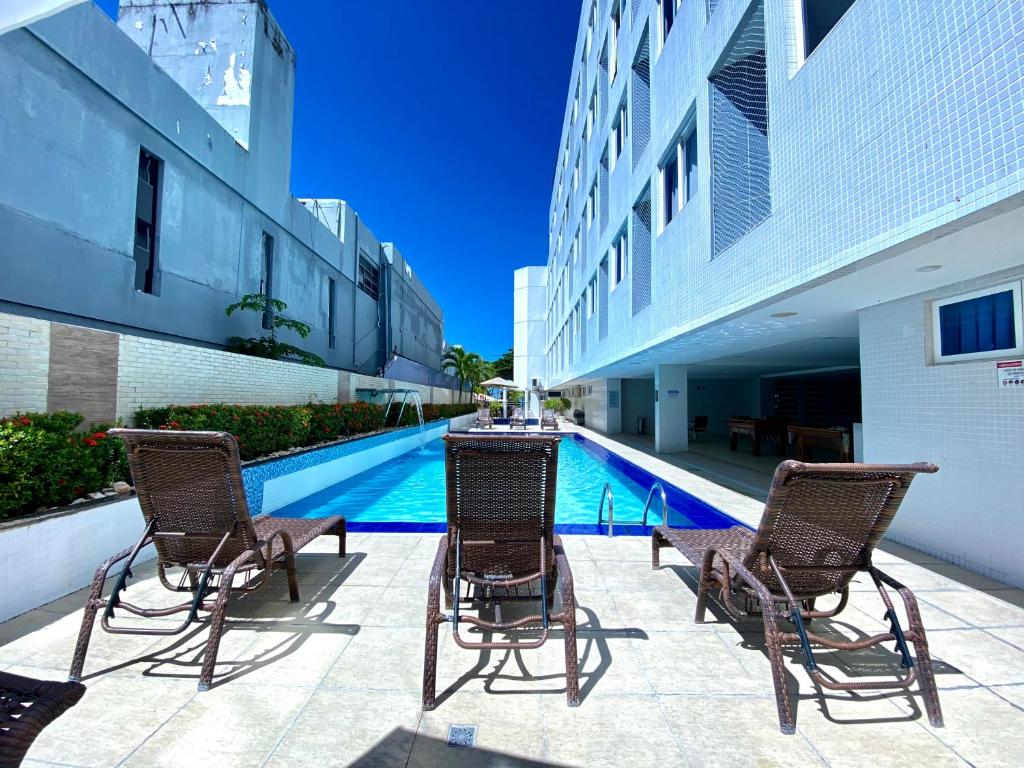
163	426
99	435
25	421
89	441
213	413
175	424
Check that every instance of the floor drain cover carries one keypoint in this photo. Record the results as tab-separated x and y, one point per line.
461	735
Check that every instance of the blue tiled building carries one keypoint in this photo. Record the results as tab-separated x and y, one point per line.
781	208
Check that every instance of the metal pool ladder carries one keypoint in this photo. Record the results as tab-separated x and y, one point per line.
607	494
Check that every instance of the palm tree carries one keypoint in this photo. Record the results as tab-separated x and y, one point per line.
465	366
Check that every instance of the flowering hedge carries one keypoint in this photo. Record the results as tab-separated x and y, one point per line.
46	462
263	429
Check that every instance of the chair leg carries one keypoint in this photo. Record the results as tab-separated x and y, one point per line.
704	579
430	650
217	629
773	642
572	663
293	579
656	545
342	533
85	634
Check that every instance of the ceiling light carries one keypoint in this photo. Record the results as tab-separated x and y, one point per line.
783	314
929	268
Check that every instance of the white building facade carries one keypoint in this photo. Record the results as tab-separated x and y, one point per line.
804	209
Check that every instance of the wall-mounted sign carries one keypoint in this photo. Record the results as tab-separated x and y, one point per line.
613	398
672	393
1010	373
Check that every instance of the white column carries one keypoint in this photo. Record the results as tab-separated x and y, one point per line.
671	415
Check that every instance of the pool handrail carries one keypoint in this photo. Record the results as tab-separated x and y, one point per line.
664	503
607	494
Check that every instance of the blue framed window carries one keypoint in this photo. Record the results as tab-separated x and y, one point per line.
980	324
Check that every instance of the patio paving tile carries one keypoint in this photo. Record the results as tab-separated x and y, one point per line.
335	679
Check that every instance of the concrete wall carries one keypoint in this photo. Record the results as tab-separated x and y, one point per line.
81	98
956	416
718	399
106	376
637	400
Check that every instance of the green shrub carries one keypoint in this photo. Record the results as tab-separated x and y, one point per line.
45	462
495	409
343	419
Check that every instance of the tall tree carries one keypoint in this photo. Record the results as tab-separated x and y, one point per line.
465	366
503	366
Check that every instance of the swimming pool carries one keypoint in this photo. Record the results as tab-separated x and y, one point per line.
408	494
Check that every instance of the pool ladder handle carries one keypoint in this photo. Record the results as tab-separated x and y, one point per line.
607	494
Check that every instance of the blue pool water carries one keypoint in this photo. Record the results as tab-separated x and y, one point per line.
408	493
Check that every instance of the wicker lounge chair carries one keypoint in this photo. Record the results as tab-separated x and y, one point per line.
190	489
27	706
500	541
820	526
547	419
518	419
483	418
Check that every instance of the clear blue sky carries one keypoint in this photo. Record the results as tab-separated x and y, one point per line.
439	124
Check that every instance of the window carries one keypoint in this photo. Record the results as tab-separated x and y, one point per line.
576	247
679	176
147	192
592	204
591	111
590	26
619	259
267	284
369	277
576	320
619	134
592	296
576	101
614	34
668	16
978	325
331	290
576	174
820	17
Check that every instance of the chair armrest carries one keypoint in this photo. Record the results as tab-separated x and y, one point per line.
562	567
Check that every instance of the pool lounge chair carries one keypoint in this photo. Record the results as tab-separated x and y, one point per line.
500	542
518	419
189	486
27	706
821	524
547	419
483	418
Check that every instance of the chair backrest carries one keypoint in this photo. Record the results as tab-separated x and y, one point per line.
549	413
483	413
822	522
189	486
500	502
517	413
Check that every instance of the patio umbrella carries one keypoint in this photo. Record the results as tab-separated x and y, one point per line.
504	385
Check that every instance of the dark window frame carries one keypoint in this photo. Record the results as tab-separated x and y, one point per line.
147	222
369	277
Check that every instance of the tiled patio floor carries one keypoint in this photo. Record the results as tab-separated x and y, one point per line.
335	679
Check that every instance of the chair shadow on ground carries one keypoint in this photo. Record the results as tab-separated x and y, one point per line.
514	665
398	746
266	610
879	662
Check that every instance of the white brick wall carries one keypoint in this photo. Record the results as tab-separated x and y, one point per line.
153	373
956	416
24	364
